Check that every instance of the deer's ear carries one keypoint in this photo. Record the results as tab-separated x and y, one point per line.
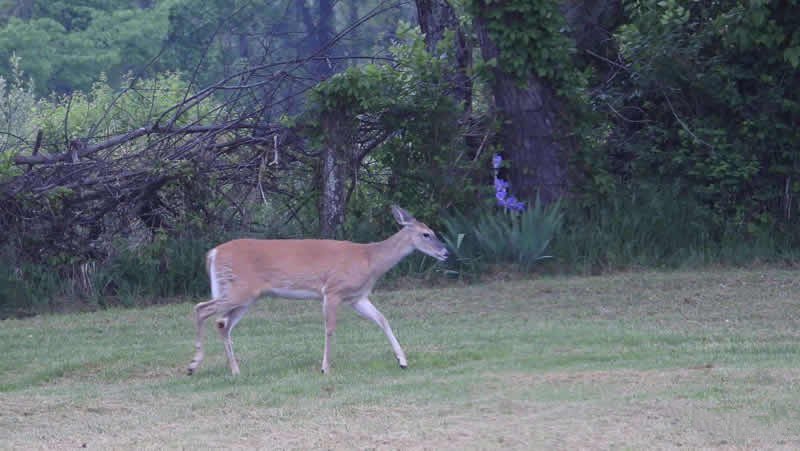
402	217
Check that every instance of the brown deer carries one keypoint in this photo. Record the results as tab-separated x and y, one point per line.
335	272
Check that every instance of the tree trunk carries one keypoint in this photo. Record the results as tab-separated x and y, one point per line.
435	18
533	134
332	199
334	164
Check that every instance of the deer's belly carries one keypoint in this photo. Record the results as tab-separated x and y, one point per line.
290	293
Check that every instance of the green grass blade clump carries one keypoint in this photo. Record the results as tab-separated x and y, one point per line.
503	237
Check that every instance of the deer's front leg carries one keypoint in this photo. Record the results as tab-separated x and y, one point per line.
329	307
365	308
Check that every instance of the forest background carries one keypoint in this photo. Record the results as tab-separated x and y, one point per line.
536	135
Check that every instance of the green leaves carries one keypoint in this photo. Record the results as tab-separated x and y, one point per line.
503	237
709	99
792	56
68	47
107	112
532	39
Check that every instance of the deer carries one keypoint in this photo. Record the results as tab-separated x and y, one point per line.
336	272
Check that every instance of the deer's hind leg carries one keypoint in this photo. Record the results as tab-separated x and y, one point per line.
225	325
202	312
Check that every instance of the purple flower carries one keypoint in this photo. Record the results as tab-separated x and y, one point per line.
501	189
501	197
500	184
513	204
496	161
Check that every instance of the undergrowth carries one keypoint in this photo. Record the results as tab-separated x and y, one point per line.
631	230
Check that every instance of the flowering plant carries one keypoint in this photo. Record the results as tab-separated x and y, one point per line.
501	189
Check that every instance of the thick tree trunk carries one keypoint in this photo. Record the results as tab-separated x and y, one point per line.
533	134
436	17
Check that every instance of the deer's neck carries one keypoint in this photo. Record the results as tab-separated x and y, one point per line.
387	253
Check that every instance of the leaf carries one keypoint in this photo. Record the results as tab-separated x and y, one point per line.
792	56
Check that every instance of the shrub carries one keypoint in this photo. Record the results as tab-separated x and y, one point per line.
164	268
661	228
503	236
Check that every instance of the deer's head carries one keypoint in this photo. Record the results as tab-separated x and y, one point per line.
422	237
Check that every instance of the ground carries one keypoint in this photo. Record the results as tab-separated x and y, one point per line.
640	360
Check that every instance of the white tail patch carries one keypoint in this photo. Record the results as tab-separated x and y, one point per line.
212	274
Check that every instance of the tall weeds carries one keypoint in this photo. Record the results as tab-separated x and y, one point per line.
661	228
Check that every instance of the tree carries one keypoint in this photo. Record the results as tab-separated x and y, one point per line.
65	47
530	73
706	97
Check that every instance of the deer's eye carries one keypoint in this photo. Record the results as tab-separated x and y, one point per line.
426	235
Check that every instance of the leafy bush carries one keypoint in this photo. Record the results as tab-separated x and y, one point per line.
502	236
17	106
105	111
708	97
141	275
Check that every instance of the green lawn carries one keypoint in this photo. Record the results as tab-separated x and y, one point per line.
630	361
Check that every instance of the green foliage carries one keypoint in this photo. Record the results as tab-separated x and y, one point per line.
419	164
133	275
195	38
101	112
502	237
105	111
532	39
25	289
39	42
710	101
66	45
163	268
17	108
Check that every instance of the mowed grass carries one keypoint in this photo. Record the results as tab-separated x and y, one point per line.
629	361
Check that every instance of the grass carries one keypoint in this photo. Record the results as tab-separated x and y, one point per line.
638	360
